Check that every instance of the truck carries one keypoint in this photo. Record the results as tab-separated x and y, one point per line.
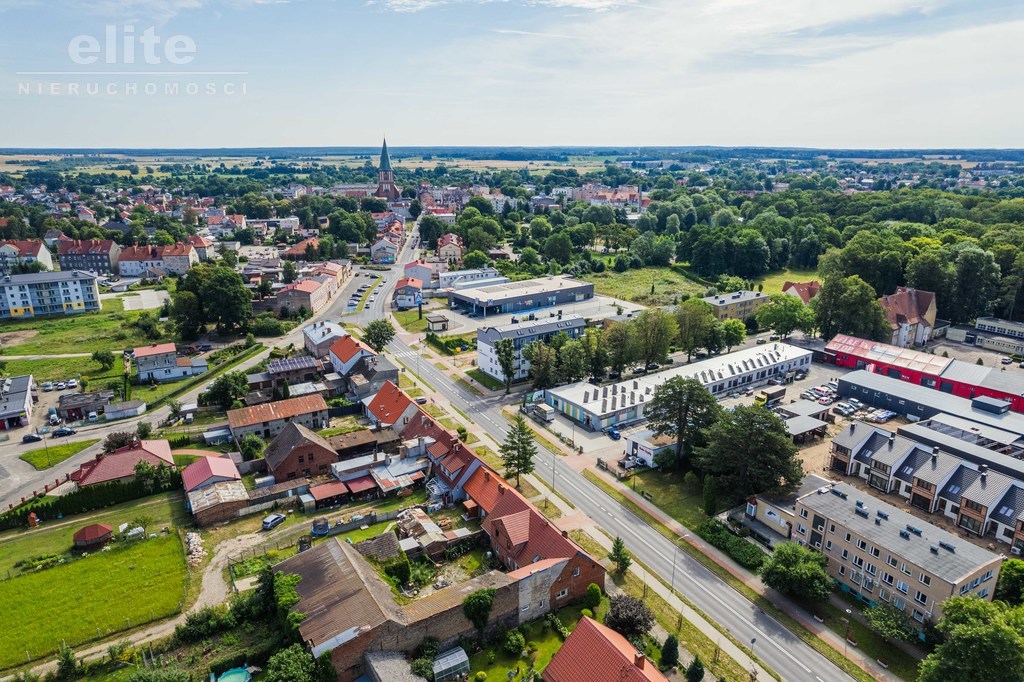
542	412
770	396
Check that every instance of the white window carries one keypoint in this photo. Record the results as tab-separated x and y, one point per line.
925	579
562	593
902	586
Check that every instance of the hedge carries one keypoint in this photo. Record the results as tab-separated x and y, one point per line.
747	555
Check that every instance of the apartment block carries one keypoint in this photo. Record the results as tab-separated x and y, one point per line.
48	293
880	553
522	335
738	305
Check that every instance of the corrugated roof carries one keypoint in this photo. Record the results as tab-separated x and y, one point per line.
282	409
873	351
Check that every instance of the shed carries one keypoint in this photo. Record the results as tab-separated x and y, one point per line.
437	322
217	436
451	665
802	429
130	408
93	536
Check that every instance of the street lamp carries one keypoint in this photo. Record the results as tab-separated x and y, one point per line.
846	635
753	664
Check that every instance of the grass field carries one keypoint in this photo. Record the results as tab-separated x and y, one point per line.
52	455
487	380
411	321
165	509
673	496
96	596
58	369
106	329
635	285
773	282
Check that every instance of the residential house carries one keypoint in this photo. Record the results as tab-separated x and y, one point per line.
309	294
384	251
408	293
391	407
24	252
160	362
174	259
208	471
205	249
911	314
596	653
450	248
424	272
297	452
99	256
269	419
119	466
302	250
48	293
346	352
318	337
805	291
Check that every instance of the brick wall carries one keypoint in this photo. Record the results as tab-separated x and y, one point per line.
220	513
589	572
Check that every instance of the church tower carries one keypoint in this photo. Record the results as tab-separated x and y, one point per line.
386	177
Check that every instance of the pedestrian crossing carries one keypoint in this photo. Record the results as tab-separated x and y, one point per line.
407	354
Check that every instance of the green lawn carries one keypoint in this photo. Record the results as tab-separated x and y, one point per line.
102	594
411	320
106	329
405	382
773	281
635	285
545	643
486	379
166	509
52	455
673	496
59	369
343	425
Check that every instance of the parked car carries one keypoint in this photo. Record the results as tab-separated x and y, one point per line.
1007	361
762	341
31	438
652	366
774	337
421	401
72	383
64	432
273	521
60	386
800	375
613	433
48	386
204	347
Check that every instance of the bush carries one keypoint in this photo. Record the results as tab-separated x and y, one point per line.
587	613
515	642
592	598
480	676
562	631
424	667
201	624
430	647
399	569
746	554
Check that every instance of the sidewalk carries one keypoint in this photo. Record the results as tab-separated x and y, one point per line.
826	634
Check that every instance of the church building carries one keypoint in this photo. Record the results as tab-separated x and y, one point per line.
386	188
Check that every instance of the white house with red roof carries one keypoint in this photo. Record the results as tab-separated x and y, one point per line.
23	251
346	352
205	249
408	293
450	248
425	272
207	471
391	407
160	362
119	465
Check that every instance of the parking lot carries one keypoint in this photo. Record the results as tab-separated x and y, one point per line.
597	308
359	286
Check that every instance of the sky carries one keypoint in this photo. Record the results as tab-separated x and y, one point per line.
807	73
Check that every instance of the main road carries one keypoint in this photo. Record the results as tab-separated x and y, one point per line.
774	644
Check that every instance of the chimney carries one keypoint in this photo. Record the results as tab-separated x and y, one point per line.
487	475
565	533
638	660
501	489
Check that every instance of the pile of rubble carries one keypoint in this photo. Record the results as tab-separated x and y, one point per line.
194	552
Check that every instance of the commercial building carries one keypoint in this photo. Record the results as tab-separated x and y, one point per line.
738	305
15	402
992	333
522	334
945	375
48	293
384	251
78	406
461	279
269	419
408	293
98	256
597	407
880	553
525	295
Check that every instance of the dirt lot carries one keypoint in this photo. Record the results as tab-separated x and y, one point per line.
14	338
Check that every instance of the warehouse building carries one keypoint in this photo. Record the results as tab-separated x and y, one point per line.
597	407
514	297
522	335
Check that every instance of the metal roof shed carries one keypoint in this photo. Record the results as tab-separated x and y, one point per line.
451	665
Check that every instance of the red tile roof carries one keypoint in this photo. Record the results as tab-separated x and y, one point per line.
449	238
389	404
282	409
84	246
92	533
409	282
804	290
346	348
121	463
205	468
199	241
308	286
156	349
514	527
29	247
596	653
300	248
144	253
328	490
908	306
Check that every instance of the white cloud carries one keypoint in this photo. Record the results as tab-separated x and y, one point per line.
420	5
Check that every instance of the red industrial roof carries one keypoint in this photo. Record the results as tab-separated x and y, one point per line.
92	533
328	490
873	351
205	468
361	484
596	653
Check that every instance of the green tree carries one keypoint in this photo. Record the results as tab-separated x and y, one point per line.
620	556
696	319
515	643
225	390
543	361
733	333
231	306
295	664
890	622
710	495
519	449
592	597
104	358
289	272
684	409
670	650
629	616
596	353
477	607
187	314
981	637
475	259
695	673
749	451
572	361
849	306
655	331
175	407
796	570
558	247
783	314
143	430
977	283
68	667
620	340
378	334
505	350
251	447
1010	586
931	270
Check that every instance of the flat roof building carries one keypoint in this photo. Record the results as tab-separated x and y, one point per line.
597	407
522	334
880	553
525	295
739	305
48	293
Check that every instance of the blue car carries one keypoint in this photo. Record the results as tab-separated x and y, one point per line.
613	433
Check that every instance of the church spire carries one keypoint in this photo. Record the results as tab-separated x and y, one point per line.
385	158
